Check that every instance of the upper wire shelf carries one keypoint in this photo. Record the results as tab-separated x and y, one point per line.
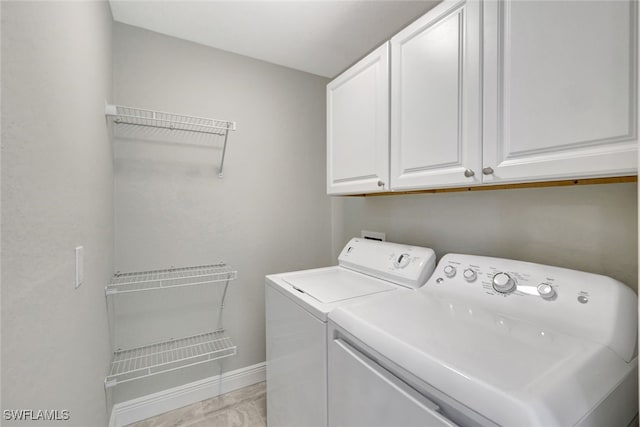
169	278
123	115
160	119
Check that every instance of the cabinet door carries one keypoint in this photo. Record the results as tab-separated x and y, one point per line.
358	127
436	99
560	87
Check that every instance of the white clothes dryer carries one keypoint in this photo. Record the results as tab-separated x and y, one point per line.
488	341
297	305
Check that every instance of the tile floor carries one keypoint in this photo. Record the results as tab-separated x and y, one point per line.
246	407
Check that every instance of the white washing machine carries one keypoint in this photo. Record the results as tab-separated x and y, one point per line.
297	305
488	341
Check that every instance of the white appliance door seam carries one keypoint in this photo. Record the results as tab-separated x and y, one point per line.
395	382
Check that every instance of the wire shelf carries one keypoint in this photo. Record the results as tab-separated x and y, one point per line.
159	119
141	362
169	278
172	121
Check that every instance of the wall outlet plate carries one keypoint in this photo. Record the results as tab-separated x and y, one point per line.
373	235
79	266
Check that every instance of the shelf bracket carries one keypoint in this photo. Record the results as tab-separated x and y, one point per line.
224	151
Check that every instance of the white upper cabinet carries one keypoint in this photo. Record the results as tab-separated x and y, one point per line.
560	89
358	127
490	92
436	132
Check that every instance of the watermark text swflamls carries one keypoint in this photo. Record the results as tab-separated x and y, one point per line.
36	415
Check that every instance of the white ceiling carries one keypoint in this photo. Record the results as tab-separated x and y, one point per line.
319	37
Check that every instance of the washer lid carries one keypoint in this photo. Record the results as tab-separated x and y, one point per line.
511	371
337	284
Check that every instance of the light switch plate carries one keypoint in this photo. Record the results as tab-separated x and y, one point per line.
79	266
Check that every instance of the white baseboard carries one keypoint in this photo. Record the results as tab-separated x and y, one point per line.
141	408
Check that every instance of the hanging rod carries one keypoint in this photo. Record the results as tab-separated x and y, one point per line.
123	115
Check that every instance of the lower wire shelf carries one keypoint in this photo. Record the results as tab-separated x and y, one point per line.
141	362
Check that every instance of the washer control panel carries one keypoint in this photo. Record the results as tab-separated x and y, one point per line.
595	306
404	265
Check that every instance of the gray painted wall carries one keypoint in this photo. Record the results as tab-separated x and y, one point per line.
591	228
57	193
268	214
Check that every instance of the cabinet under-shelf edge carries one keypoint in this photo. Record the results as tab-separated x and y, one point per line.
540	184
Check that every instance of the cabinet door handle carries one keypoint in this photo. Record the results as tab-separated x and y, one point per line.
488	170
380	183
469	173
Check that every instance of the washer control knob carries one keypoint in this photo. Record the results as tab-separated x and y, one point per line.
402	261
546	291
470	275
503	283
449	271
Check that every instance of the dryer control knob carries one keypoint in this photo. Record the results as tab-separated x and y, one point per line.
503	283
546	291
470	275
450	271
